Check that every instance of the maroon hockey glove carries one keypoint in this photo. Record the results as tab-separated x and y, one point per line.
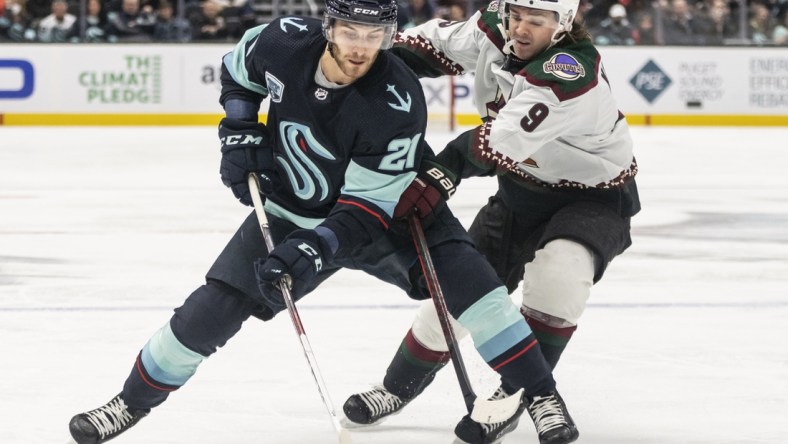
428	192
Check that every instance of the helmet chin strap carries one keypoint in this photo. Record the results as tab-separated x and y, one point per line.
553	40
507	46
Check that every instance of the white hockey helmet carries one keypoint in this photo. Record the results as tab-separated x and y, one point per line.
564	9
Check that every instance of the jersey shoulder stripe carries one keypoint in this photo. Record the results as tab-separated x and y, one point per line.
276	43
235	61
490	24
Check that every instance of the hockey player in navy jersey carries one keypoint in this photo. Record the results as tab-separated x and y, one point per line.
562	154
341	159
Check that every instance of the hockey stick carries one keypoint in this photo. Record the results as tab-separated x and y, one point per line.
481	410
342	434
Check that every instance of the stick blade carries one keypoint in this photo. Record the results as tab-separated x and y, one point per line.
344	436
491	411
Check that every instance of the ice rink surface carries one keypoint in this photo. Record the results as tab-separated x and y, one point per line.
104	230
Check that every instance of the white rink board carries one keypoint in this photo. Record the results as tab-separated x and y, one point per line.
184	79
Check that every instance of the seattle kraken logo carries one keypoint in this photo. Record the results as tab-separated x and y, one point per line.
404	104
305	177
293	21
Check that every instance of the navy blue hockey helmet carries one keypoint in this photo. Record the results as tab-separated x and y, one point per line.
365	12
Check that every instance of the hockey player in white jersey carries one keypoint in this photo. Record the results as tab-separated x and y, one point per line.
562	153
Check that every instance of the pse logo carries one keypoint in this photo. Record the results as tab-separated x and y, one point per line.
15	90
650	81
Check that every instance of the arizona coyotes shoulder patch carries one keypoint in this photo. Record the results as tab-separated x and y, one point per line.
564	66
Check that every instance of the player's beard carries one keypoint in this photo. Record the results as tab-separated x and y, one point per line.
345	62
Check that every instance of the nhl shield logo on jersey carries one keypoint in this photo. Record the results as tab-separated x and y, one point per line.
275	87
564	66
321	94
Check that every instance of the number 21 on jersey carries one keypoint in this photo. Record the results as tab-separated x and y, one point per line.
402	154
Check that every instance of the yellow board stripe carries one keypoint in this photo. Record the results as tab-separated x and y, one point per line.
110	119
675	120
708	120
461	119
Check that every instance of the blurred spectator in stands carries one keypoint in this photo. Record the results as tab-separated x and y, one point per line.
452	10
95	24
207	23
169	28
722	25
596	11
56	27
615	29
761	24
238	17
38	9
421	11
582	9
457	11
404	19
131	23
15	21
645	28
684	25
96	21
780	33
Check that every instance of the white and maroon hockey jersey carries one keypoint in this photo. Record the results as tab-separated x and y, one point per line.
552	122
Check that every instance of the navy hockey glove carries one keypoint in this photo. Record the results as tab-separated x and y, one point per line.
246	149
301	256
428	192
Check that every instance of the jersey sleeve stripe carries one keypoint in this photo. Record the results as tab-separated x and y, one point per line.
388	188
365	209
235	61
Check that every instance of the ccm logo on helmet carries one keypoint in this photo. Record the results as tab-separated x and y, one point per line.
365	11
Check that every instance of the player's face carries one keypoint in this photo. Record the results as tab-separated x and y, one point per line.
356	47
531	30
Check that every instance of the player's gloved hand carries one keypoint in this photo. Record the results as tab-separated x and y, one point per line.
301	256
428	192
246	149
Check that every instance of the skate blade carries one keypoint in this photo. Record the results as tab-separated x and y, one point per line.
459	441
348	424
490	412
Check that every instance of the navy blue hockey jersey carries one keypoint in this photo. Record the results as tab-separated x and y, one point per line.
352	149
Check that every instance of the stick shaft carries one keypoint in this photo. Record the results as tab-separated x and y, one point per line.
422	249
295	317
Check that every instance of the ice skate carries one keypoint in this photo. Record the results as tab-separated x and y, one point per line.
371	407
104	423
552	420
469	431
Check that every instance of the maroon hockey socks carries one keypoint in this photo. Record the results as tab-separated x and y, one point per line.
413	368
552	340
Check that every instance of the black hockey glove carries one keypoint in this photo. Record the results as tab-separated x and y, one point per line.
428	192
301	256
246	149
